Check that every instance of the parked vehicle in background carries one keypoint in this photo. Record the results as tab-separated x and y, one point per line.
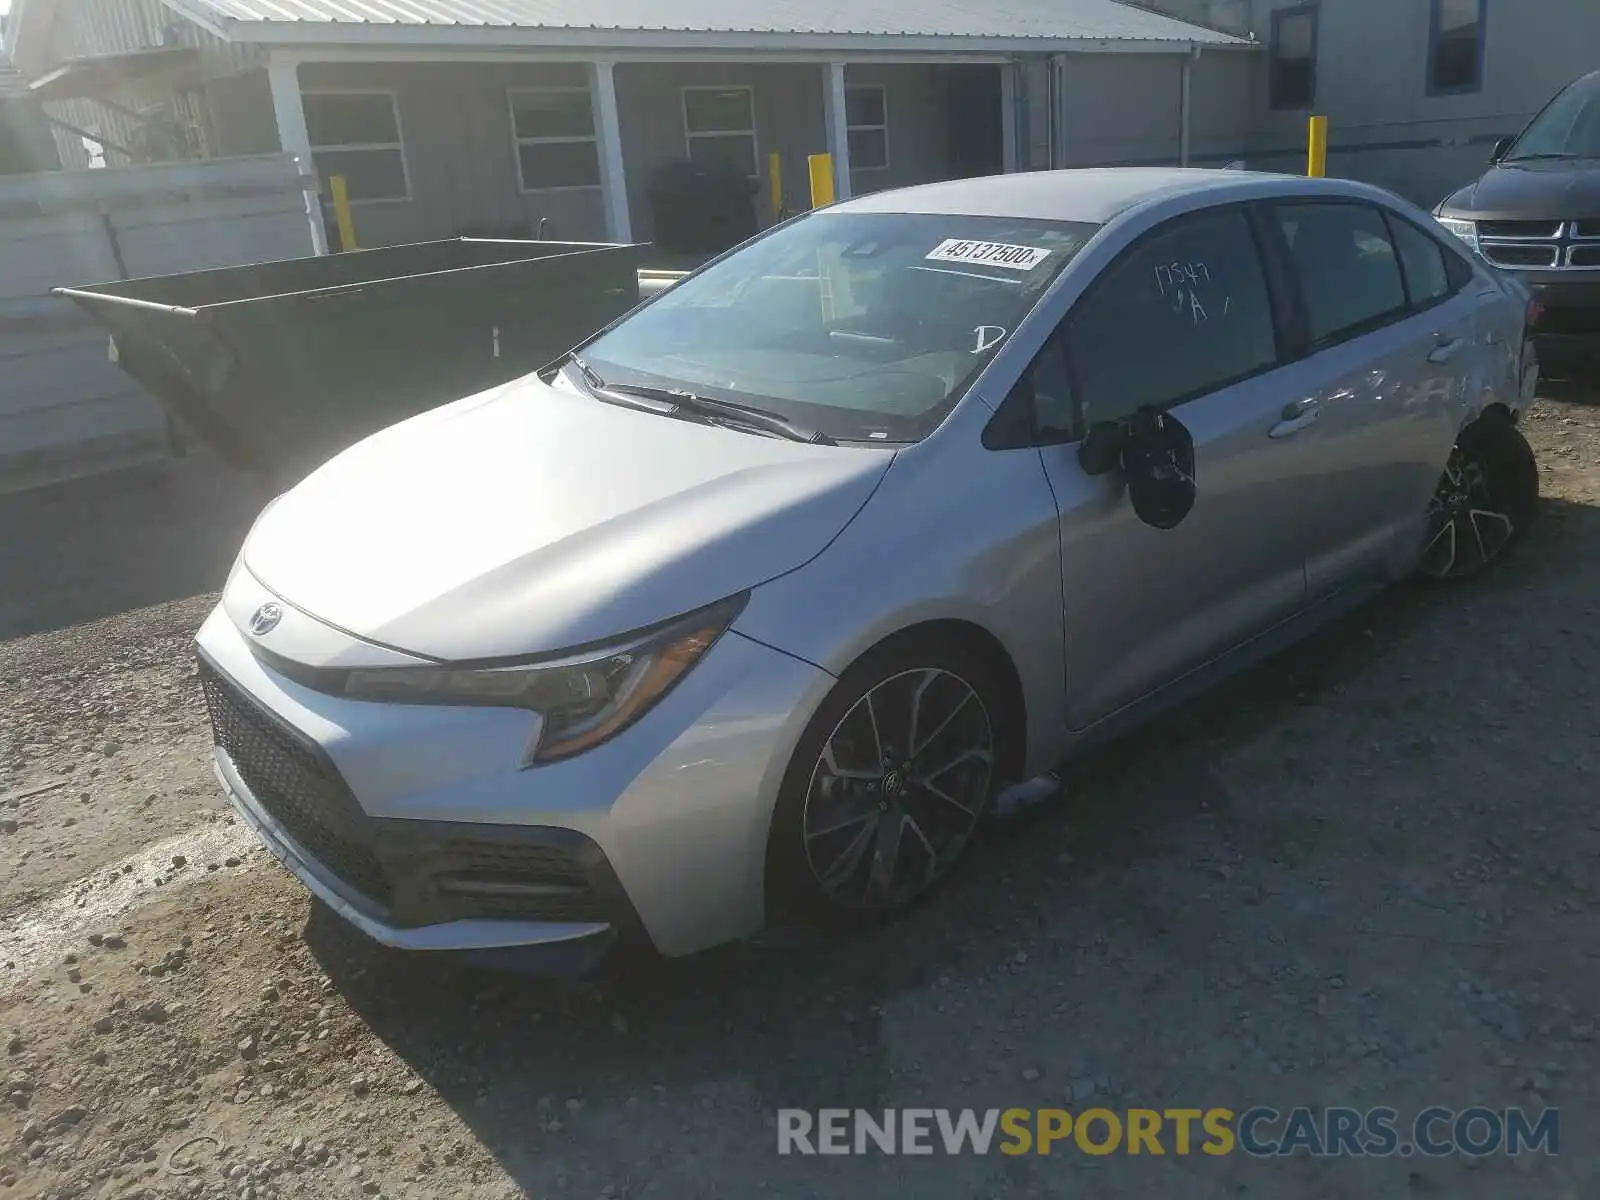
1536	213
753	603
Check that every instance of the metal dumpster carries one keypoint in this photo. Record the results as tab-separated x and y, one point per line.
280	365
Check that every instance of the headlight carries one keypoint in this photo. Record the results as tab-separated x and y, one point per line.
1467	231
582	699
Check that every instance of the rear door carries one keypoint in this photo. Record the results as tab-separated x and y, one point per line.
1183	320
1391	344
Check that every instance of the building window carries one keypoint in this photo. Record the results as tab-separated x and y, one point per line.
719	125
357	135
554	132
1294	57
1455	47
866	107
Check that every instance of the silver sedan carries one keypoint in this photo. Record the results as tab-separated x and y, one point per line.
754	605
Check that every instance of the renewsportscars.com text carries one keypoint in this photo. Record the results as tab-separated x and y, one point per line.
1260	1132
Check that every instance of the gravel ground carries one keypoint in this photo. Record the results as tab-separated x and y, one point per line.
1360	874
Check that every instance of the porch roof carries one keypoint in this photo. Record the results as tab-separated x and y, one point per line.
889	26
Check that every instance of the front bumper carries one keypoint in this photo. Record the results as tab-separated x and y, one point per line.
1568	333
417	825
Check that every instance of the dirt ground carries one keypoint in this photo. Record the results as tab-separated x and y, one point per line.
1361	874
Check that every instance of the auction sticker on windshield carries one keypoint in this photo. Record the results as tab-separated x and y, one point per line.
989	254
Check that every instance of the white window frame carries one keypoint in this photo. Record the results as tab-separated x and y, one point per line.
518	141
883	92
399	133
689	135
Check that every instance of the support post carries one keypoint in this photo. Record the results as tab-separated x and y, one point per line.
1008	116
1186	106
283	81
608	144
1317	148
837	124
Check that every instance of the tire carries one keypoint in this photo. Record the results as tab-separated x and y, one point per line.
1487	498
855	842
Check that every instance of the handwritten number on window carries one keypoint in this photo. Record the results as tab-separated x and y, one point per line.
1181	283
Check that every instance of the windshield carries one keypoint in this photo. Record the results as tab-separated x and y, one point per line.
1569	127
864	326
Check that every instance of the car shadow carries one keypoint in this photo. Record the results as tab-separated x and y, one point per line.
803	1025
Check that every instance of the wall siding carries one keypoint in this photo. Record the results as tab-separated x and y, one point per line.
455	124
918	150
788	113
1120	109
240	110
1372	84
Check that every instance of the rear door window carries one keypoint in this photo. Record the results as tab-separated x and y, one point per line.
1422	258
1348	270
1184	312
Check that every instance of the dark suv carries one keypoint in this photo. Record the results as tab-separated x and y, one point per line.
1536	212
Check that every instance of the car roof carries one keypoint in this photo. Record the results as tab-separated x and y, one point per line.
1095	194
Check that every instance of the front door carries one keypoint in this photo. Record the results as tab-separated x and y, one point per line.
1183	320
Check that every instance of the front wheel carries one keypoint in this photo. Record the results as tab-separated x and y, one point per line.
1485	501
888	784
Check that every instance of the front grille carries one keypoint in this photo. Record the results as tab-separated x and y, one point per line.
1586	256
1519	229
1533	254
296	785
1586	229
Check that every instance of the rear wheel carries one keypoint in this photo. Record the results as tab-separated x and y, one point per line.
888	785
1485	501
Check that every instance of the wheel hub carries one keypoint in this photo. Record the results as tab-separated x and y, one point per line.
1467	528
881	832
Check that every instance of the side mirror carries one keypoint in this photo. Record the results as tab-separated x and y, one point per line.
1158	463
1155	454
1501	149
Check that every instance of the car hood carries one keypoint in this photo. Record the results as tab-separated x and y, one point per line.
1555	190
530	520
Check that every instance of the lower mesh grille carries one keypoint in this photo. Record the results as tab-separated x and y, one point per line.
293	783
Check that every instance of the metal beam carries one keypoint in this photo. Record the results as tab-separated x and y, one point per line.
1009	94
608	146
283	80
836	120
687	46
1186	105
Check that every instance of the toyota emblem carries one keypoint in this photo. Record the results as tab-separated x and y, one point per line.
265	619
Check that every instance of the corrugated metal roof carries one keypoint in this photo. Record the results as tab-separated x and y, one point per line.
997	20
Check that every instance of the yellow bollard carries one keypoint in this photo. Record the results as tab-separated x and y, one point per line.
775	181
1317	141
341	212
821	168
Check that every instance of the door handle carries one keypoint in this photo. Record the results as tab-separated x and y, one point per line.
1296	415
1284	429
1446	349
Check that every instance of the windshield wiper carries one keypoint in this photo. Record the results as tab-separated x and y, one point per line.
718	410
1544	155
